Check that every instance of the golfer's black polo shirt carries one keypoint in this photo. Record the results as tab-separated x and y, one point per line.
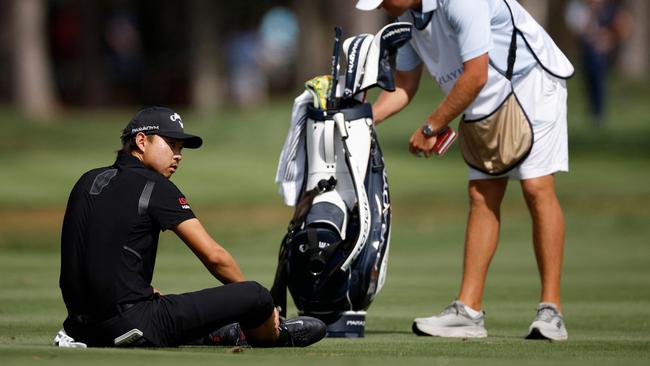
110	235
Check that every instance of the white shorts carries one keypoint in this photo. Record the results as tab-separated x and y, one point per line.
544	99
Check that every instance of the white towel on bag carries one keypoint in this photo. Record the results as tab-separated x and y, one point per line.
291	165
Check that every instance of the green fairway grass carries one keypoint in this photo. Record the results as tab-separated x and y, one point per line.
229	184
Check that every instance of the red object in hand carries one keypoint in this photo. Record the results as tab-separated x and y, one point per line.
444	140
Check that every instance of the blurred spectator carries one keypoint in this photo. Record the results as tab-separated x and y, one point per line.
262	60
65	38
601	26
125	58
279	44
246	81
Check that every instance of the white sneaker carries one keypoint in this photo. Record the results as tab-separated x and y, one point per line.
454	321
548	324
62	339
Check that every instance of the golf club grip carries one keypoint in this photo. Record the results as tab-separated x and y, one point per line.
336	52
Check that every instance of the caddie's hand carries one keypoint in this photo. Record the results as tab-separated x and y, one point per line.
420	145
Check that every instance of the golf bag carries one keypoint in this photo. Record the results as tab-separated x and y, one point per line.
334	257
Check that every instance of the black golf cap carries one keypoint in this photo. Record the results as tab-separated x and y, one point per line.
160	121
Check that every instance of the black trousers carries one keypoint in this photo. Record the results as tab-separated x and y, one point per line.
173	320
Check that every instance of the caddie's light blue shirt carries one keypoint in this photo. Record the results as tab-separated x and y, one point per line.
477	26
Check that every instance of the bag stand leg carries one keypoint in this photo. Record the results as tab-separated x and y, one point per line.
351	324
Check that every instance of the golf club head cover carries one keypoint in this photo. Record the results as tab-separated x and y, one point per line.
318	87
356	50
377	70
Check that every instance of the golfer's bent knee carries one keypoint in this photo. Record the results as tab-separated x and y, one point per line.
258	304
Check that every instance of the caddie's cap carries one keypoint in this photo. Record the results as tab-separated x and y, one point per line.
160	121
368	4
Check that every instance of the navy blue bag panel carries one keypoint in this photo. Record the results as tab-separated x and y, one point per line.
364	280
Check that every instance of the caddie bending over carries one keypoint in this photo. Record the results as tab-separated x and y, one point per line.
501	71
108	251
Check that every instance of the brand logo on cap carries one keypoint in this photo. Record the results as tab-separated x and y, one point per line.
176	118
144	129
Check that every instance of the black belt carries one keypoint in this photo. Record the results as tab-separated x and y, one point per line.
350	114
98	318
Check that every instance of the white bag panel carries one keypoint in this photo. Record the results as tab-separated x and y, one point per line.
319	145
324	140
359	143
319	167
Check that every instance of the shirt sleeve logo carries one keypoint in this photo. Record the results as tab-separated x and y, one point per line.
183	203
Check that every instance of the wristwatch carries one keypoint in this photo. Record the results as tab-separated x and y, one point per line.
428	131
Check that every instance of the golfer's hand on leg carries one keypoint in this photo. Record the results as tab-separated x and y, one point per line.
276	318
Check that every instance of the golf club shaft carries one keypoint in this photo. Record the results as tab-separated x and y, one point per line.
331	100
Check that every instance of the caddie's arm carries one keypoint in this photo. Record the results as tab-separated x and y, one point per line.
466	89
215	258
389	103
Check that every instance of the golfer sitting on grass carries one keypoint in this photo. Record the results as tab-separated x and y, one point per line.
108	251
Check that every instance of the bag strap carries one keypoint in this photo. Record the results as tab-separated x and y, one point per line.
279	289
512	51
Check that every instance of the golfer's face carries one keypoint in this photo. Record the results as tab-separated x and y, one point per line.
163	155
396	7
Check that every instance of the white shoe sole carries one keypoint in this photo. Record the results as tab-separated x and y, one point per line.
540	330
449	332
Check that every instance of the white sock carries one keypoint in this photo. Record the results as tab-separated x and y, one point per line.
473	313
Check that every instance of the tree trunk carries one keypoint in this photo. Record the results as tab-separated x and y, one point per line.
557	28
538	9
205	77
94	83
317	22
315	43
634	61
355	21
33	82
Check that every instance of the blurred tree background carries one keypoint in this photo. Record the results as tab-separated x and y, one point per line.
202	55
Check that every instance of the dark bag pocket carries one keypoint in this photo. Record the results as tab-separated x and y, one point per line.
497	143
